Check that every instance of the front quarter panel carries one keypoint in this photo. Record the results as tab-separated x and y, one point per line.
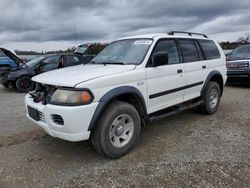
100	86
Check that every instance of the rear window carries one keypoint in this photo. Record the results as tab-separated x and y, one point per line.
210	49
189	51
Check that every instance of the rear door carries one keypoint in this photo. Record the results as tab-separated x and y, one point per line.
194	66
165	83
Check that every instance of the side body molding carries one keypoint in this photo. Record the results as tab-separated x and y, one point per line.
114	93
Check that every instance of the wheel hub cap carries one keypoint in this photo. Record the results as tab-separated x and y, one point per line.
213	98
121	130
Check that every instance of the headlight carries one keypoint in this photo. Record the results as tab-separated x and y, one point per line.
71	97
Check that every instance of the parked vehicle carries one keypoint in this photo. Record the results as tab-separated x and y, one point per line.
227	52
20	77
238	64
132	81
8	59
89	51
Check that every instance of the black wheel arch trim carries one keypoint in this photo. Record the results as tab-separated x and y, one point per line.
210	75
112	94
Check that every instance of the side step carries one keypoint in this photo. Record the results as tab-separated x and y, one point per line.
173	110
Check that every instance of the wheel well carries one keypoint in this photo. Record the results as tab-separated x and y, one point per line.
134	100
218	79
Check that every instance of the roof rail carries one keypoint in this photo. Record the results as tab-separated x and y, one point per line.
189	33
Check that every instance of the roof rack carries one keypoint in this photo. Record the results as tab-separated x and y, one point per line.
189	33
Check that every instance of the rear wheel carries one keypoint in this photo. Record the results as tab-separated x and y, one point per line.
24	84
211	98
117	130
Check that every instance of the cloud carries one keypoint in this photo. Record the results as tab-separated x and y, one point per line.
78	21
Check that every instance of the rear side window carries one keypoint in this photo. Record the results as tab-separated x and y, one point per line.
210	49
169	47
189	51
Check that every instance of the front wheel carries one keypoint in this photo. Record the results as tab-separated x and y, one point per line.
117	130
24	84
211	98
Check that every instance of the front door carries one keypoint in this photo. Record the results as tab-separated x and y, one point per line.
165	83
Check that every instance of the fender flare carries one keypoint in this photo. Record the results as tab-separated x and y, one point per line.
110	95
210	75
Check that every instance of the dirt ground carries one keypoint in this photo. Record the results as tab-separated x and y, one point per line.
186	150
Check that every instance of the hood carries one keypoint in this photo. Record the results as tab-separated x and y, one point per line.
12	56
234	57
71	76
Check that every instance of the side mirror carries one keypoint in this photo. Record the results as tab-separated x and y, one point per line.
160	58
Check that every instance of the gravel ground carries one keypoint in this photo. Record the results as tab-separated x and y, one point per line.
185	150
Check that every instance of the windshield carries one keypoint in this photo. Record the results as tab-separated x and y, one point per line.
80	49
34	61
129	51
242	50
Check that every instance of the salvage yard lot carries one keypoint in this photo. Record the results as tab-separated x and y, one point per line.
188	149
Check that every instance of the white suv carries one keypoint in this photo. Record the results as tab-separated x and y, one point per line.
133	81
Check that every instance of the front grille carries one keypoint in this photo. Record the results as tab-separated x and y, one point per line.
36	114
41	116
57	119
238	66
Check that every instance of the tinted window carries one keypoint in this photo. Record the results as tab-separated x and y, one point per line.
189	51
210	49
72	60
49	63
169	47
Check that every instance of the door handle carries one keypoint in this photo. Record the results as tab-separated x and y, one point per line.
204	66
179	71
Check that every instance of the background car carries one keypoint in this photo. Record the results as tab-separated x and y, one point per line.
8	59
238	64
89	51
20	77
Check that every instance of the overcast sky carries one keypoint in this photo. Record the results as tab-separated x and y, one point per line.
57	24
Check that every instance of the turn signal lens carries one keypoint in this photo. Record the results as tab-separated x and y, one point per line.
85	97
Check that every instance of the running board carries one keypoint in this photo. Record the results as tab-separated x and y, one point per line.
174	110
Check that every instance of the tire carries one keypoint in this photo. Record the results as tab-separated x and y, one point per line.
211	98
24	84
117	130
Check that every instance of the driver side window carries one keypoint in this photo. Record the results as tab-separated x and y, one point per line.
169	47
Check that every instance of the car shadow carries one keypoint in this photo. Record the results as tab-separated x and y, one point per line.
237	84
